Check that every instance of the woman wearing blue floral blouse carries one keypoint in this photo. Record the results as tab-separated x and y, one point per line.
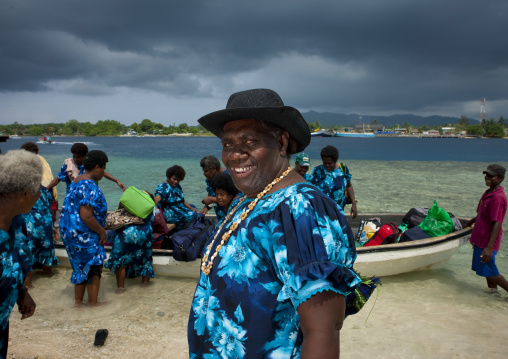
275	274
334	180
82	227
131	255
169	199
20	181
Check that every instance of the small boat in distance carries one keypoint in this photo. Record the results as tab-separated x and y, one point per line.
355	134
382	260
317	133
47	140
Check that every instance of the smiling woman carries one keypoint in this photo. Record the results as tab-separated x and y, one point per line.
277	269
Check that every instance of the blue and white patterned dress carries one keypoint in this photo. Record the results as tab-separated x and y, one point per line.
132	248
172	205
333	183
13	269
63	175
39	224
82	244
220	211
294	244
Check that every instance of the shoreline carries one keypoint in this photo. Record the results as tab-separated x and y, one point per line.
425	314
19	137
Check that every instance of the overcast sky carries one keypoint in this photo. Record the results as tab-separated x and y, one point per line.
175	61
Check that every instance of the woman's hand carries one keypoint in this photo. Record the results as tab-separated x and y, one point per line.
103	237
86	214
26	304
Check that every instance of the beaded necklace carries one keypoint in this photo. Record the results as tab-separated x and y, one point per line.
207	267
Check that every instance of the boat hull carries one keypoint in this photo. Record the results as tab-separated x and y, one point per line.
350	134
383	260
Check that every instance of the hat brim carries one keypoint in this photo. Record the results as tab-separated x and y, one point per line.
286	117
490	173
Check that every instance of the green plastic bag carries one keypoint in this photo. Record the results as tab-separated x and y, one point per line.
437	222
137	202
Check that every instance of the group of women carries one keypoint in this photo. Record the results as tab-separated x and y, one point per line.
277	270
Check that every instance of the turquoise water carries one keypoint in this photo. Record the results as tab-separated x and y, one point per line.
435	313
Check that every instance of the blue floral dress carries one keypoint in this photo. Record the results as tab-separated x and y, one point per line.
132	248
64	176
82	244
294	244
307	177
172	205
333	183
13	269
39	225
220	211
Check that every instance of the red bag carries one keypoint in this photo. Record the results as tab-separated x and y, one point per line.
387	234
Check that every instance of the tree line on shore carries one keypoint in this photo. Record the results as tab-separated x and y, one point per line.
489	128
101	128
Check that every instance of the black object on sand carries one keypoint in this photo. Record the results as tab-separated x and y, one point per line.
100	337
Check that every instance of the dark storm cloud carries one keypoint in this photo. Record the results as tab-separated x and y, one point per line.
372	55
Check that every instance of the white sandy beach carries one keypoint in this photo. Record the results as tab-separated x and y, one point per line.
442	313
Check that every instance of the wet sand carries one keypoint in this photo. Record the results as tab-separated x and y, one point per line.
441	313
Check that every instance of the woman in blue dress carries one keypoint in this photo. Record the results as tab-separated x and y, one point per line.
131	255
275	274
169	199
82	227
334	179
20	181
39	226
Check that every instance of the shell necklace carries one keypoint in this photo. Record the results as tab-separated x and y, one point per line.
207	267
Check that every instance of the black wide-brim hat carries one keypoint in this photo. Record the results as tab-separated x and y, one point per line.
259	104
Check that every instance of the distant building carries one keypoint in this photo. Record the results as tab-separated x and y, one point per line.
363	127
400	131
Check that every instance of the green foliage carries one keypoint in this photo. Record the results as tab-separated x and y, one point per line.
475	130
493	128
35	131
183	128
314	126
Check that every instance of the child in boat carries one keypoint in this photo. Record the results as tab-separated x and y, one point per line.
225	190
211	167
131	255
169	199
334	179
488	230
73	167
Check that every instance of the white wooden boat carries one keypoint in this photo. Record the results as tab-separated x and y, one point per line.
383	260
423	254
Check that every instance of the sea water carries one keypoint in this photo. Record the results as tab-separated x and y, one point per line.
436	309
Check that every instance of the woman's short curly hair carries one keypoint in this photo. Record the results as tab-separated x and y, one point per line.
95	158
330	151
20	171
30	147
209	162
177	171
79	149
225	182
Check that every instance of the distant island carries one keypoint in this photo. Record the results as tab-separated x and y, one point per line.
315	120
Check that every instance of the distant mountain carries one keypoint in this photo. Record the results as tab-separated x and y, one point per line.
328	119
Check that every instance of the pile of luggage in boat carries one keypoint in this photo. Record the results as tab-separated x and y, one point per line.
418	223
